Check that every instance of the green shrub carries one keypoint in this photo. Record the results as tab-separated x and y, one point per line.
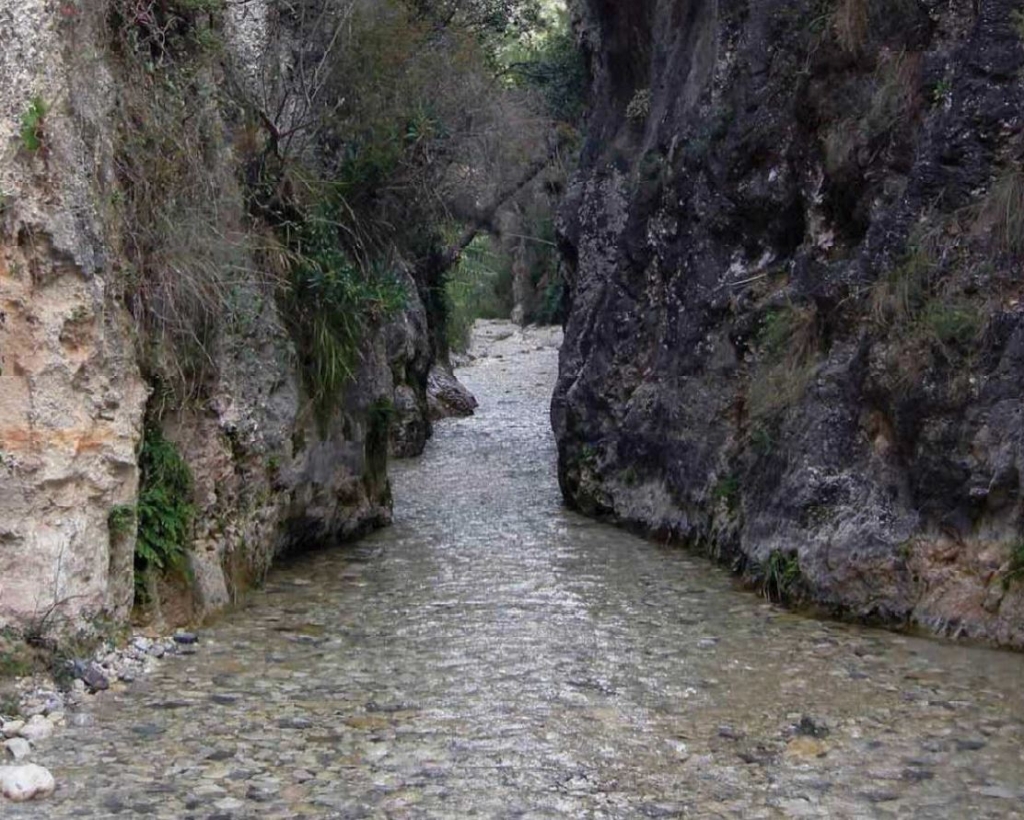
551	308
479	287
156	32
727	490
762	440
781	578
165	510
543	260
331	301
10	704
1017	17
16	661
956	322
639	107
549	60
32	125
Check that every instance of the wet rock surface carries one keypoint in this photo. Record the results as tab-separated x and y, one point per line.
495	655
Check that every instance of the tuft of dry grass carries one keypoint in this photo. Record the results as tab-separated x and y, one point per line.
894	99
850	22
1001	211
788	345
186	239
897	298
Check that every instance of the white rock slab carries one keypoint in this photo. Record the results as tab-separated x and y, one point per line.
28	782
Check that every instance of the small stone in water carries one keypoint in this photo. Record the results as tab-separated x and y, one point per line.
295	723
92	676
38	728
148	730
20	783
811	727
186	638
18	748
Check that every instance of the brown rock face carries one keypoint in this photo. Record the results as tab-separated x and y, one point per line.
269	475
71	397
70	417
796	338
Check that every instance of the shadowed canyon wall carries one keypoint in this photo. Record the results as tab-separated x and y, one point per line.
796	337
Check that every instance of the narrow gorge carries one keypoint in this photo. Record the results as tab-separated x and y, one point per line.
511	408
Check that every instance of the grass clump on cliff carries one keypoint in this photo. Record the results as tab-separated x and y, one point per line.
1001	212
922	315
1015	566
787	345
165	510
954	322
850	22
887	112
330	302
178	202
899	296
32	121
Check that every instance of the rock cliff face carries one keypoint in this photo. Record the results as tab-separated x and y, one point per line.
71	395
73	399
796	337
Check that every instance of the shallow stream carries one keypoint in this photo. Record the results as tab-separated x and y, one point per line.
493	655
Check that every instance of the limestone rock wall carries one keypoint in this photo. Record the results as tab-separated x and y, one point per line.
796	331
71	397
269	478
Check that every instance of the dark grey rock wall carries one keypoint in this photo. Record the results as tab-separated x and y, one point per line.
796	340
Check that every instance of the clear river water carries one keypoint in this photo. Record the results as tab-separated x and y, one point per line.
494	655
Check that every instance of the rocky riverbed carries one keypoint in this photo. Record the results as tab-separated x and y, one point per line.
38	708
494	655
